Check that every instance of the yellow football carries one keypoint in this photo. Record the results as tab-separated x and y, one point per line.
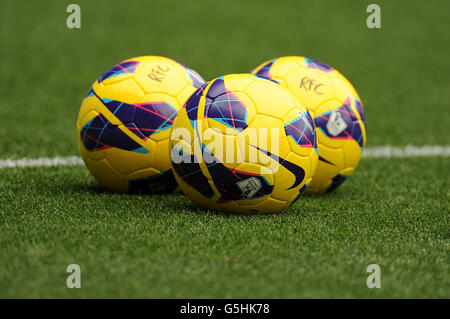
337	111
125	119
243	144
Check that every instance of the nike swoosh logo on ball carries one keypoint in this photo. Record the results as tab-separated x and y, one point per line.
324	160
298	172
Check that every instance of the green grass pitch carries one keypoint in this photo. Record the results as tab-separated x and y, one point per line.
391	212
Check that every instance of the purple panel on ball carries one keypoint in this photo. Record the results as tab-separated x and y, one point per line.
310	63
357	133
133	128
154	117
128	67
217	88
302	131
188	168
146	118
340	123
123	111
99	134
264	72
192	104
360	109
229	110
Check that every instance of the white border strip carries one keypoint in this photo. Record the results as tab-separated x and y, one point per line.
371	152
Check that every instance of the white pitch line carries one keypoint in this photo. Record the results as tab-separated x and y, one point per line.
371	152
41	161
406	151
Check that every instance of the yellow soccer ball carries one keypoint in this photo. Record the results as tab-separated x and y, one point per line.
243	144
337	110
125	119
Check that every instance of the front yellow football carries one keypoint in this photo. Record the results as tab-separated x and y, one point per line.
337	110
125	119
243	144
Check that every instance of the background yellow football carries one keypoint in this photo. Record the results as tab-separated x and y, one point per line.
337	111
124	123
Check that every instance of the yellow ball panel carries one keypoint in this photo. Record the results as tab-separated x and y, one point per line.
161	151
286	179
266	99
265	132
342	83
311	87
343	90
127	90
185	93
237	82
143	173
352	154
107	175
314	162
347	171
282	66
125	161
89	109
326	170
